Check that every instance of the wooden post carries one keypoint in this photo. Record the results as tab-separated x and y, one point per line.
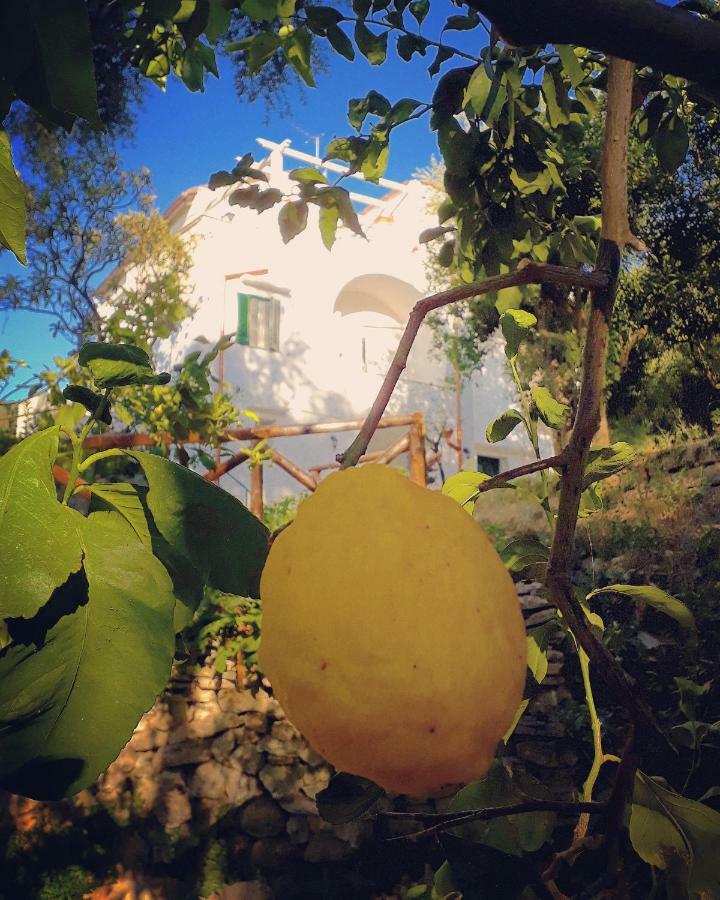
256	489
417	450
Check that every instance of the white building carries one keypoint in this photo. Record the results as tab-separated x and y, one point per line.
315	330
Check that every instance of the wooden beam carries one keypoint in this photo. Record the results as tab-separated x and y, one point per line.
237	459
305	478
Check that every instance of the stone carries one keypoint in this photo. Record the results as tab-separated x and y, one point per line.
315	780
186	753
284	731
262	817
272	852
199	695
247	758
326	847
159	718
209	781
298	804
207	725
298	829
172	806
528	587
255	721
239	788
233	701
149	739
310	756
281	781
223	746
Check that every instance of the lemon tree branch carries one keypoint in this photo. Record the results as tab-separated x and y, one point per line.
532	273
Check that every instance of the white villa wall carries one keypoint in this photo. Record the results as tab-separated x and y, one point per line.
331	303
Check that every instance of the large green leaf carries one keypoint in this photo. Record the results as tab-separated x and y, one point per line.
463	488
501	427
119	365
210	530
553	413
12	203
671	832
81	674
518	834
602	462
39	546
63	33
653	596
516	325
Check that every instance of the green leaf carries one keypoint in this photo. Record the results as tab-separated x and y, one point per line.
118	365
671	142
515	835
420	9
68	415
523	552
654	597
12	203
372	46
571	65
307	176
553	413
478	90
360	107
463	488
516	718
555	97
93	403
501	427
298	48
129	501
602	462
39	546
537	644
340	42
328	222
516	325
63	33
78	678
263	47
670	831
292	219
218	21
347	797
221	542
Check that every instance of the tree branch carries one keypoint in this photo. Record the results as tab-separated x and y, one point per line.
537	465
669	39
444	821
532	273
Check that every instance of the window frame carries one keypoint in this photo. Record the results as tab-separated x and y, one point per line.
244	308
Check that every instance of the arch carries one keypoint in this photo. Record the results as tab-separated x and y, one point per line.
383	294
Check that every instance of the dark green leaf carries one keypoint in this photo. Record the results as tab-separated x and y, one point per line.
328	222
263	46
420	9
553	413
347	797
218	21
443	55
501	427
63	32
360	107
654	597
571	65
671	142
372	46
670	831
293	219
118	365
320	18
340	42
92	402
79	677
205	525
537	644
39	545
12	203
516	834
461	23
129	501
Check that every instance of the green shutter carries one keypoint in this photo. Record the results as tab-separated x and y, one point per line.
242	335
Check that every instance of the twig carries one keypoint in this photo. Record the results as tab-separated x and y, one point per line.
537	465
532	273
445	821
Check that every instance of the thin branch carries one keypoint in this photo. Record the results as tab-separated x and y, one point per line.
537	465
532	273
444	821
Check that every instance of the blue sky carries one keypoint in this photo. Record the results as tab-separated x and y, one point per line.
182	138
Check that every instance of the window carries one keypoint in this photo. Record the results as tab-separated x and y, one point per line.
258	322
488	465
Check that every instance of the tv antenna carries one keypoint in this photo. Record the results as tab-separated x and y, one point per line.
315	138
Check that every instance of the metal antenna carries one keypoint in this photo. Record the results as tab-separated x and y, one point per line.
312	137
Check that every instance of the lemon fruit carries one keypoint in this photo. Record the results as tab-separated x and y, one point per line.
392	633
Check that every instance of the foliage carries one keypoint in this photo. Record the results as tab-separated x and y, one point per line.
115	585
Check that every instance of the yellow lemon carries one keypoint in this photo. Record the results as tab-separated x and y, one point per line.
392	633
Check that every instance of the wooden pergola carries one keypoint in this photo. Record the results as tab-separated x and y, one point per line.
412	443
